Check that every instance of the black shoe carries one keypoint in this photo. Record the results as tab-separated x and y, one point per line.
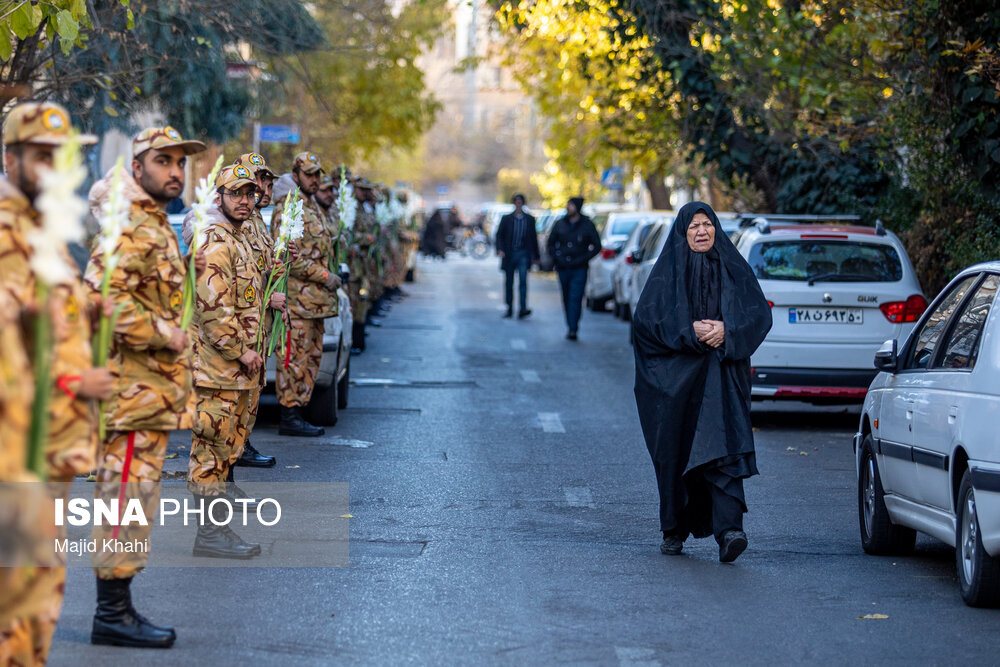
524	313
734	542
251	458
356	351
234	492
117	623
374	322
292	423
509	314
214	541
672	545
252	546
571	335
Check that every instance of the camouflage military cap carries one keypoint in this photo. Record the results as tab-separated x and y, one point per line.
326	183
40	123
234	177
255	163
362	183
164	137
307	162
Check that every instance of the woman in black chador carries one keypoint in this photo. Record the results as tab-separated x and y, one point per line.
700	317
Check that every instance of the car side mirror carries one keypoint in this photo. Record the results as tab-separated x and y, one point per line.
887	357
636	257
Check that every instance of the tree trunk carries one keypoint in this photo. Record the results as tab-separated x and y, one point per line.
659	193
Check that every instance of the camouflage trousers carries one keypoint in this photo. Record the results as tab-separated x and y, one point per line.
217	439
141	452
254	405
295	383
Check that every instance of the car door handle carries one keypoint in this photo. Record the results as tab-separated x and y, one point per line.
953	414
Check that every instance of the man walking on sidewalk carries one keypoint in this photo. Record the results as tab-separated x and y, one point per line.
572	243
517	246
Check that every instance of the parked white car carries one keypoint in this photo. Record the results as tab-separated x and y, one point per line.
928	450
837	292
644	257
599	289
625	265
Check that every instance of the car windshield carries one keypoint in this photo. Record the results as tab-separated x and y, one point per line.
843	261
623	226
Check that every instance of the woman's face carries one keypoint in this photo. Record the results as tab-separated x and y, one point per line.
701	233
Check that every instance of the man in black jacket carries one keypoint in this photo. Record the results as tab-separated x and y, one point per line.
573	241
517	245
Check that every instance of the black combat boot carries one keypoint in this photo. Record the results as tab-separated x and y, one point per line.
117	623
292	423
251	458
234	491
219	541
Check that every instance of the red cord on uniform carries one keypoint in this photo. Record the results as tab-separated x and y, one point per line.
63	384
126	469
288	348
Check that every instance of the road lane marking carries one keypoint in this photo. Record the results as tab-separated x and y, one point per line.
636	657
551	422
579	496
348	442
518	344
493	295
530	376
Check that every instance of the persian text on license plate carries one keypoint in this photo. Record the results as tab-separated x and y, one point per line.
806	315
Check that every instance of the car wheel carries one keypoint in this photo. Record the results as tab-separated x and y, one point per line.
598	305
879	535
409	275
978	572
322	408
616	309
626	312
343	386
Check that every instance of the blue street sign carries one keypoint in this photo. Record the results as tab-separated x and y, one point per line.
280	134
612	178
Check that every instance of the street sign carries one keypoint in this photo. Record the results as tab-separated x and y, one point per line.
279	134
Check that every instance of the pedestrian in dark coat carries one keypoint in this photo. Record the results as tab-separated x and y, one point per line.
433	242
572	243
517	246
699	318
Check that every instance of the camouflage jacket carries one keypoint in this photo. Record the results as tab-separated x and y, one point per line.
260	241
72	436
154	383
228	310
307	295
16	391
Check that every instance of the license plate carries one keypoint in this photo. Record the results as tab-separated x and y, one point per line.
807	315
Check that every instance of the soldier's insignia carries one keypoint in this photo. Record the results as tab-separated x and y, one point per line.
260	262
312	157
241	172
172	133
176	300
72	308
53	119
250	293
256	159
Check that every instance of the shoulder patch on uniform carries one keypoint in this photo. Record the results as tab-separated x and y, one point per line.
250	293
176	299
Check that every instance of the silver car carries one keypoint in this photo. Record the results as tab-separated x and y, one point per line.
624	267
599	289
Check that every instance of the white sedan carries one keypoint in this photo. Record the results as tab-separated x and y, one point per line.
928	447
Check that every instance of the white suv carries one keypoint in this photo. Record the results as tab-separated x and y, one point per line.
837	291
928	451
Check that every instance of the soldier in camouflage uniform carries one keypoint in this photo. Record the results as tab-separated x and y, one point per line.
311	296
360	262
31	134
262	250
151	358
228	367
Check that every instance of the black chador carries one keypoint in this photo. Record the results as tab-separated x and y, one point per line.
694	399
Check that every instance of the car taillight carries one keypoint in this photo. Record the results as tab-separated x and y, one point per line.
608	253
900	312
628	259
770	304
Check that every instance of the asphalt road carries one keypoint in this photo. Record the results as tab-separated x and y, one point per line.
504	511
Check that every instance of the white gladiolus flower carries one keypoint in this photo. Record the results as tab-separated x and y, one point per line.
205	199
113	217
62	212
383	214
347	205
396	209
292	225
